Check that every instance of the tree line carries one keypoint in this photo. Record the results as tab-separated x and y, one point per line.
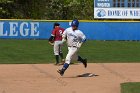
47	9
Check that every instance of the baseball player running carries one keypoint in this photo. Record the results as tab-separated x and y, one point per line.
55	39
75	38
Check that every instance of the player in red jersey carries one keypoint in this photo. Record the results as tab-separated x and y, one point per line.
55	39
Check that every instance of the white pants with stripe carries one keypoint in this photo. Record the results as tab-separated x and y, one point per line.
72	54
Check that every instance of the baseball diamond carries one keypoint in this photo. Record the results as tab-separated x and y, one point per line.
69	46
104	74
43	78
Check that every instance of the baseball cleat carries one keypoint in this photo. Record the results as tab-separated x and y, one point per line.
85	62
56	64
61	63
60	72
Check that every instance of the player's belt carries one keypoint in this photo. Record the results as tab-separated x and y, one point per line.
71	46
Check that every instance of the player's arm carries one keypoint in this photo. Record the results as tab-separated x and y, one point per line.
63	38
83	37
51	39
83	40
64	35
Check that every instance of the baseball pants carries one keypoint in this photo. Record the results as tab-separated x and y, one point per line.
57	47
72	54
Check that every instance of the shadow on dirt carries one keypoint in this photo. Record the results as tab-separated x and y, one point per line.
84	75
87	75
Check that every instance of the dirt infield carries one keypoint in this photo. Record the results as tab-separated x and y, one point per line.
43	78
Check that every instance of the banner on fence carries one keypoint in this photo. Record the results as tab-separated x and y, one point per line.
117	9
93	30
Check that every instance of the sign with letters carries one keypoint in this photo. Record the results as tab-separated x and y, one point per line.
117	9
23	29
27	29
32	29
18	29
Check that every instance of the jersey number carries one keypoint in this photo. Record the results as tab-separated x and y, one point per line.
60	32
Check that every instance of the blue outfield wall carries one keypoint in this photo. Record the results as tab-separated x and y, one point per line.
93	30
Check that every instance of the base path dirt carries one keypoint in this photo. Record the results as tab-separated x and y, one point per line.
43	78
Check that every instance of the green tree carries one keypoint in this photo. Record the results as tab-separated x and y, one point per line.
6	8
81	9
70	9
46	9
30	9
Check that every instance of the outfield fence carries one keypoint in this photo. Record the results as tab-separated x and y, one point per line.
94	30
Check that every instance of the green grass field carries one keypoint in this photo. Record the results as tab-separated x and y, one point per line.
39	51
130	87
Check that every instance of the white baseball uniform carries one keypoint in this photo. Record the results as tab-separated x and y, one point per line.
74	38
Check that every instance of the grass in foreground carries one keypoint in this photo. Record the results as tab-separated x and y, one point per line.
130	87
39	51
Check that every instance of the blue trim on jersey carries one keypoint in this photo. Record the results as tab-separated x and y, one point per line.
84	40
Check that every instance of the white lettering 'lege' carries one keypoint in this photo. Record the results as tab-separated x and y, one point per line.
24	31
34	31
2	30
13	26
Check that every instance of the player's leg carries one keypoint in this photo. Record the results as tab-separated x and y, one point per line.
80	59
84	61
56	52
61	54
71	52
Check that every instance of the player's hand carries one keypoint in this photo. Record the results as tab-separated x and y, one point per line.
61	43
79	44
51	43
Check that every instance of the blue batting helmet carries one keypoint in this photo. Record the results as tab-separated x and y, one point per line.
75	22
